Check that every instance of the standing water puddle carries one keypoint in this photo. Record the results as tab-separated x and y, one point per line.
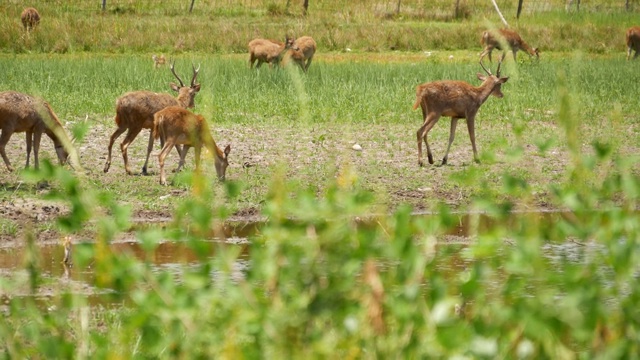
175	258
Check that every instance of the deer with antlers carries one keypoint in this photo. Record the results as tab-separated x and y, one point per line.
458	100
269	51
23	113
176	125
135	110
633	41
30	18
497	40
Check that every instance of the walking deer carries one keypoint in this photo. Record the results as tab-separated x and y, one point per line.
497	40
176	125
304	54
458	100
269	51
633	41
135	110
30	18
24	113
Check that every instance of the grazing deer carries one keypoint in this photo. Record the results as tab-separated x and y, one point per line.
30	18
458	100
269	51
304	54
24	113
134	112
158	61
176	125
492	40
633	41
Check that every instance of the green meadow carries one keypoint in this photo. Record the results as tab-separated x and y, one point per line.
344	263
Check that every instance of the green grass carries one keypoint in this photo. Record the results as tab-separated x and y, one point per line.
309	122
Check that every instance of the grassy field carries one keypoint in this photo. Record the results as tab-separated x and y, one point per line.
306	125
343	268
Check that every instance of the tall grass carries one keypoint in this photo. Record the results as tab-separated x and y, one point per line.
137	28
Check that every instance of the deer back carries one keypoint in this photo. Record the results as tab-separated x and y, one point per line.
306	45
633	37
30	17
139	107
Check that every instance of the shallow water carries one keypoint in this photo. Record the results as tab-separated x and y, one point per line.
176	258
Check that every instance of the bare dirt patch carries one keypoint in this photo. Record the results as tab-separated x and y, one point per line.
313	155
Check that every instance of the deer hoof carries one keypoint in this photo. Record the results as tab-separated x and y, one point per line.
106	168
421	163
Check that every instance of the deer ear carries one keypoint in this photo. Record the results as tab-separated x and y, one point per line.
174	87
504	79
227	150
196	87
481	77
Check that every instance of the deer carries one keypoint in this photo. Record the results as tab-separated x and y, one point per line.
158	61
304	54
24	113
135	110
458	100
30	18
633	41
269	51
492	40
176	125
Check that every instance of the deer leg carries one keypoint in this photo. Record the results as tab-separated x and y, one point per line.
131	135
183	155
149	149
36	148
198	150
514	51
113	138
308	64
452	135
429	122
4	139
29	137
472	136
166	149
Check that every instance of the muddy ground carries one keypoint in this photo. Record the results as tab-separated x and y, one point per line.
313	155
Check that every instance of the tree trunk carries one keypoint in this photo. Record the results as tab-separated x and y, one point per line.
500	13
104	5
191	7
305	7
398	8
457	13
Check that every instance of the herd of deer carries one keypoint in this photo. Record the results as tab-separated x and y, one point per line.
174	125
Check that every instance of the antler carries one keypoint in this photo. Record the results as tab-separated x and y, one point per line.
176	75
499	64
486	70
195	74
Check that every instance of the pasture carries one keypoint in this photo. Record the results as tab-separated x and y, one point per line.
358	252
306	125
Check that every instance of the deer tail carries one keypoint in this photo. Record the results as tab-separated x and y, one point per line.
156	127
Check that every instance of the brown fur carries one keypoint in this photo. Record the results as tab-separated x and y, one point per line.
633	41
492	40
158	61
24	113
304	55
135	110
30	18
178	126
268	51
456	99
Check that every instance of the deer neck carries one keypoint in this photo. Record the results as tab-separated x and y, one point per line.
484	91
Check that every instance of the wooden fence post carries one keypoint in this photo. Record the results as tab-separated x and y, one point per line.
519	9
104	5
191	7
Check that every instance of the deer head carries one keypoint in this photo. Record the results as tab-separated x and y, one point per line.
186	94
496	80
